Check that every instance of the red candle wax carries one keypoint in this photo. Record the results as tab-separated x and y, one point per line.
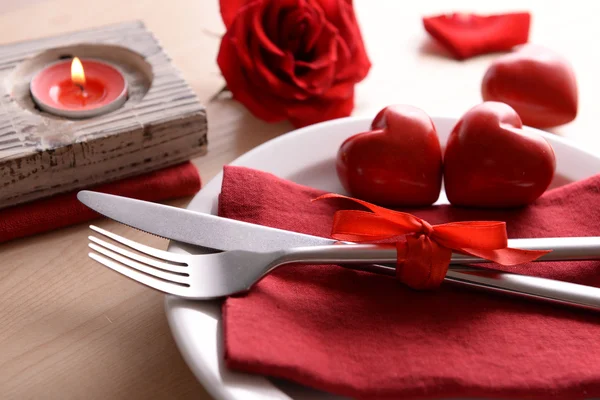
54	89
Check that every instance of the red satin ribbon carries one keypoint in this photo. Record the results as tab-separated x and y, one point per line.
424	254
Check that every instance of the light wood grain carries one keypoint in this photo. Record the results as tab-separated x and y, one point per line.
70	329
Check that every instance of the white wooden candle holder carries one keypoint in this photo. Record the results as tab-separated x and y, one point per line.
162	122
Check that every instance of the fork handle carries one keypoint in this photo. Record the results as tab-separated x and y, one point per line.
563	249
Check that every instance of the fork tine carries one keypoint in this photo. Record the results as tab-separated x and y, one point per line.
171	288
140	258
165	255
167	276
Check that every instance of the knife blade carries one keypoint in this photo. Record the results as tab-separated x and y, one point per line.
195	228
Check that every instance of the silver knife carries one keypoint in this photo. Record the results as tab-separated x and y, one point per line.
219	233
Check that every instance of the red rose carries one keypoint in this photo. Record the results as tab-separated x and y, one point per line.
292	59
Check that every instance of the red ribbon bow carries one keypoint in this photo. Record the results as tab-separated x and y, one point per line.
424	255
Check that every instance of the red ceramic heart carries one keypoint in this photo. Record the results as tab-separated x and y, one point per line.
538	83
491	161
397	163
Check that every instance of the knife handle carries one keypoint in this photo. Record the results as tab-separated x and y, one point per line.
530	287
523	286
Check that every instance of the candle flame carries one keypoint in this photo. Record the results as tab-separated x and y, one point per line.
77	74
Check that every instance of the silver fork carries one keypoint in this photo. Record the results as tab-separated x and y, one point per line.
214	275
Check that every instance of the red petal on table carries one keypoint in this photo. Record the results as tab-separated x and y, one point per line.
468	35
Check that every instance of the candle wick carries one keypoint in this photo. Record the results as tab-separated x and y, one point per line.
82	93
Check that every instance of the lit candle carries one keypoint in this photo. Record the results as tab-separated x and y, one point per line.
79	89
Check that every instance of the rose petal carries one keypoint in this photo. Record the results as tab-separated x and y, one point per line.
258	101
311	112
298	80
269	65
272	72
341	14
290	30
231	8
319	74
301	29
253	57
240	37
468	35
345	62
270	18
322	51
315	77
279	83
315	20
340	90
333	11
258	29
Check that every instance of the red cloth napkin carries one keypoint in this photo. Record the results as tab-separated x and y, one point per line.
368	336
64	210
468	35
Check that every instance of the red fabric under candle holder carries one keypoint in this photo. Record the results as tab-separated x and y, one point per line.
64	209
368	336
467	35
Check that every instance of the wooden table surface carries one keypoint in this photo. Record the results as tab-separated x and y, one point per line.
70	329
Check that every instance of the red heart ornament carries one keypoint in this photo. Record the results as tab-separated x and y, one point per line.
490	161
537	82
398	163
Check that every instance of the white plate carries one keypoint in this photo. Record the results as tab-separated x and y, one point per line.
305	156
